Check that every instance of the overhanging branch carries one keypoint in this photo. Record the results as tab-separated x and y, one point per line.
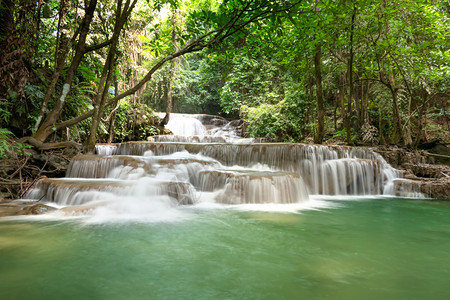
207	40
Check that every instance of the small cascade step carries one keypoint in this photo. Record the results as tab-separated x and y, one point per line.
186	126
101	166
69	191
119	166
348	176
105	149
253	187
202	125
408	188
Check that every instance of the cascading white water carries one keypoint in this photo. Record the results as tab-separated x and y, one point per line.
325	170
186	126
190	128
170	170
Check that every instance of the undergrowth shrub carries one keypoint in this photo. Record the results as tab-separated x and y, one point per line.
135	122
277	122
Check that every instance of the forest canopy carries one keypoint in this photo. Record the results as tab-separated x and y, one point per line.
360	71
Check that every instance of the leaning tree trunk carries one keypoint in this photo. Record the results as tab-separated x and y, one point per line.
62	50
342	93
46	127
213	37
122	15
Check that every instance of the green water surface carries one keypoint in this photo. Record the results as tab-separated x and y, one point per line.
366	249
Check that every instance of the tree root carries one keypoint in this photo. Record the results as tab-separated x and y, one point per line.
49	146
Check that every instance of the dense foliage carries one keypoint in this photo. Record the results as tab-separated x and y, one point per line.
360	71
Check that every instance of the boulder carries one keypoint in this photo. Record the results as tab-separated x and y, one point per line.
428	170
36	209
18	208
397	157
436	188
421	172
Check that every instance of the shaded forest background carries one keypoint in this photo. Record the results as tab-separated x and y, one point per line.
360	72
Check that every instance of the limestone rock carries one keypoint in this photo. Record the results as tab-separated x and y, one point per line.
432	180
428	170
18	208
36	209
397	157
436	188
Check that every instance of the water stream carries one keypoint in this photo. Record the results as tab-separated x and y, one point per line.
182	169
219	217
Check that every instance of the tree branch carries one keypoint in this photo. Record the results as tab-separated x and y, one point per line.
99	46
200	43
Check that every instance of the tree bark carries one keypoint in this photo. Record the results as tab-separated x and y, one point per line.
342	92
122	15
350	81
396	126
318	139
112	121
46	128
62	50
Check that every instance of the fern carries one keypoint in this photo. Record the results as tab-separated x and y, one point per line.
5	144
5	114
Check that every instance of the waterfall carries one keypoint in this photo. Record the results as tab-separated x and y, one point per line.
325	170
199	128
186	126
226	169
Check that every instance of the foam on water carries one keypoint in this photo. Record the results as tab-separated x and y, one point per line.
153	181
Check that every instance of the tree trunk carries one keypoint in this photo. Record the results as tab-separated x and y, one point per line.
62	50
47	125
380	127
420	129
318	139
396	125
310	115
350	81
342	93
112	122
365	104
107	73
